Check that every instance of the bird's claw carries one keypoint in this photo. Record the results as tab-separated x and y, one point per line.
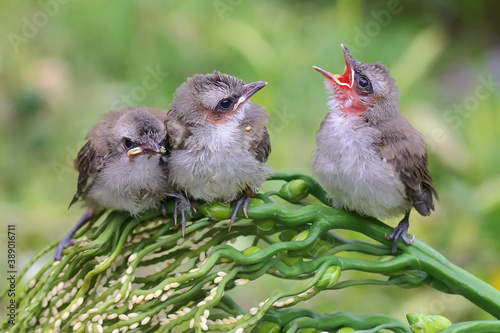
176	207
241	203
63	245
163	206
183	222
68	240
400	232
183	214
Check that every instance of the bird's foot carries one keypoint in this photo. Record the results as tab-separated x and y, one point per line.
64	244
163	207
68	240
241	203
181	205
400	233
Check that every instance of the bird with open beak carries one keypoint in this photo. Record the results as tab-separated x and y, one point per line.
122	166
219	141
368	156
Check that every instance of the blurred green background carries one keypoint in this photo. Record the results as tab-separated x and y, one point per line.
64	63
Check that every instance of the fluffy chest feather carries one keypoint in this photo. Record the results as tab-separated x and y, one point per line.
216	164
350	168
134	186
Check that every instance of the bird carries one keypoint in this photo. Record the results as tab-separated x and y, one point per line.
219	141
122	166
368	157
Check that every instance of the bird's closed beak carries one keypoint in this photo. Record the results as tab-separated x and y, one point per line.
150	148
249	90
347	79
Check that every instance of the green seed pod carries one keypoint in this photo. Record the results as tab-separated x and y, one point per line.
411	279
302	252
346	329
288	326
329	278
288	235
251	250
440	322
300	237
289	260
216	211
307	330
267	327
294	191
321	247
256	201
265	226
385	258
389	258
420	323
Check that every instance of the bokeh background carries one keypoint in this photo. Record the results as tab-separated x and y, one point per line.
64	63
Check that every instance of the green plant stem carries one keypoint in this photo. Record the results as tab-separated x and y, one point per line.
423	256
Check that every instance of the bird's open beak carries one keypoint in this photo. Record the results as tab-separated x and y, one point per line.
347	79
249	90
150	148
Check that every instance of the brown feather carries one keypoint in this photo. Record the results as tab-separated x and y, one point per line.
177	130
405	150
255	132
88	163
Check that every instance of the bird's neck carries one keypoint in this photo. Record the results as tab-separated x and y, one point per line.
350	104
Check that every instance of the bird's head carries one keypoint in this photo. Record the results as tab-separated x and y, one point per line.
213	98
362	89
139	132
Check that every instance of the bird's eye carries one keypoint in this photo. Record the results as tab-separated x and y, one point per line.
363	84
225	103
363	81
128	143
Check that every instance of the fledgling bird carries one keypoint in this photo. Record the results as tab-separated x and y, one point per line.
219	140
122	166
368	156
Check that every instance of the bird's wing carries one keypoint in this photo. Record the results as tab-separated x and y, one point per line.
177	131
409	156
255	132
260	145
88	163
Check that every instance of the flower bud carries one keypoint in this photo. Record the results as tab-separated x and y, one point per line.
294	190
420	323
440	322
329	278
